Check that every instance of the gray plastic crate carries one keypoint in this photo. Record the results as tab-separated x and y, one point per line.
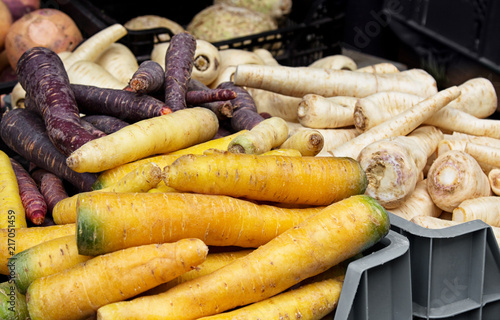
378	285
455	271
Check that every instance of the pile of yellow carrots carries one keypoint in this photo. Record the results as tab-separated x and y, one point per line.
180	225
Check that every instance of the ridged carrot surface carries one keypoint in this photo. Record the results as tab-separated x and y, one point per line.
12	214
110	221
285	179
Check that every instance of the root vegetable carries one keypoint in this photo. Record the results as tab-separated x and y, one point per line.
456	176
206	62
24	132
178	68
308	142
335	62
266	56
105	123
33	201
111	176
145	138
484	154
309	180
318	112
148	78
299	81
399	125
6	20
394	165
277	9
142	179
152	21
19	8
119	60
42	75
51	187
418	203
12	309
266	135
125	105
95	45
275	104
199	94
245	115
282	152
485	208
13	214
110	278
26	238
298	253
89	73
494	178
44	259
382	67
147	218
47	27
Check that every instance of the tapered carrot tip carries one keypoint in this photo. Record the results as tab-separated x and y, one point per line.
38	218
166	110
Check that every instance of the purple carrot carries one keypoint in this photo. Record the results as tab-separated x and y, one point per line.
107	124
33	201
24	132
42	75
125	105
51	187
178	67
149	77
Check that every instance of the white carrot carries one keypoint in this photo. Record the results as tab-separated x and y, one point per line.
399	125
485	208
299	81
119	60
382	67
315	111
494	178
275	104
394	165
456	176
335	62
96	44
309	142
90	73
418	203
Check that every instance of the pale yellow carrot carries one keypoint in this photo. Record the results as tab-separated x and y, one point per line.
418	203
309	142
282	152
299	81
268	134
456	176
318	112
144	138
13	214
399	125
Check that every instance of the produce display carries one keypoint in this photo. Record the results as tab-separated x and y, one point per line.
209	183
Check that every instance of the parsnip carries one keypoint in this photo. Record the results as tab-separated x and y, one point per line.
485	208
318	112
335	62
418	203
266	56
275	104
382	67
494	179
118	60
90	73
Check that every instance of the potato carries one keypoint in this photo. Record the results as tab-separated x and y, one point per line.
5	22
19	8
49	28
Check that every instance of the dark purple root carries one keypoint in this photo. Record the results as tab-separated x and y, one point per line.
107	124
149	77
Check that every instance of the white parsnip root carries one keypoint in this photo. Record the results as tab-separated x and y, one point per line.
494	178
456	176
394	165
485	208
119	60
382	67
275	104
419	203
399	125
315	111
335	62
90	73
299	81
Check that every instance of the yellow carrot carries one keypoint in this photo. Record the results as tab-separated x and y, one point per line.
12	242
12	302
399	125
110	278
44	259
108	222
285	179
309	142
485	208
111	176
145	138
339	232
12	212
141	179
456	176
282	152
266	135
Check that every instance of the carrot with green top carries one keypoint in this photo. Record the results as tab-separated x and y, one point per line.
335	234
110	278
111	176
44	259
13	214
26	238
12	302
145	138
108	222
284	179
142	179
